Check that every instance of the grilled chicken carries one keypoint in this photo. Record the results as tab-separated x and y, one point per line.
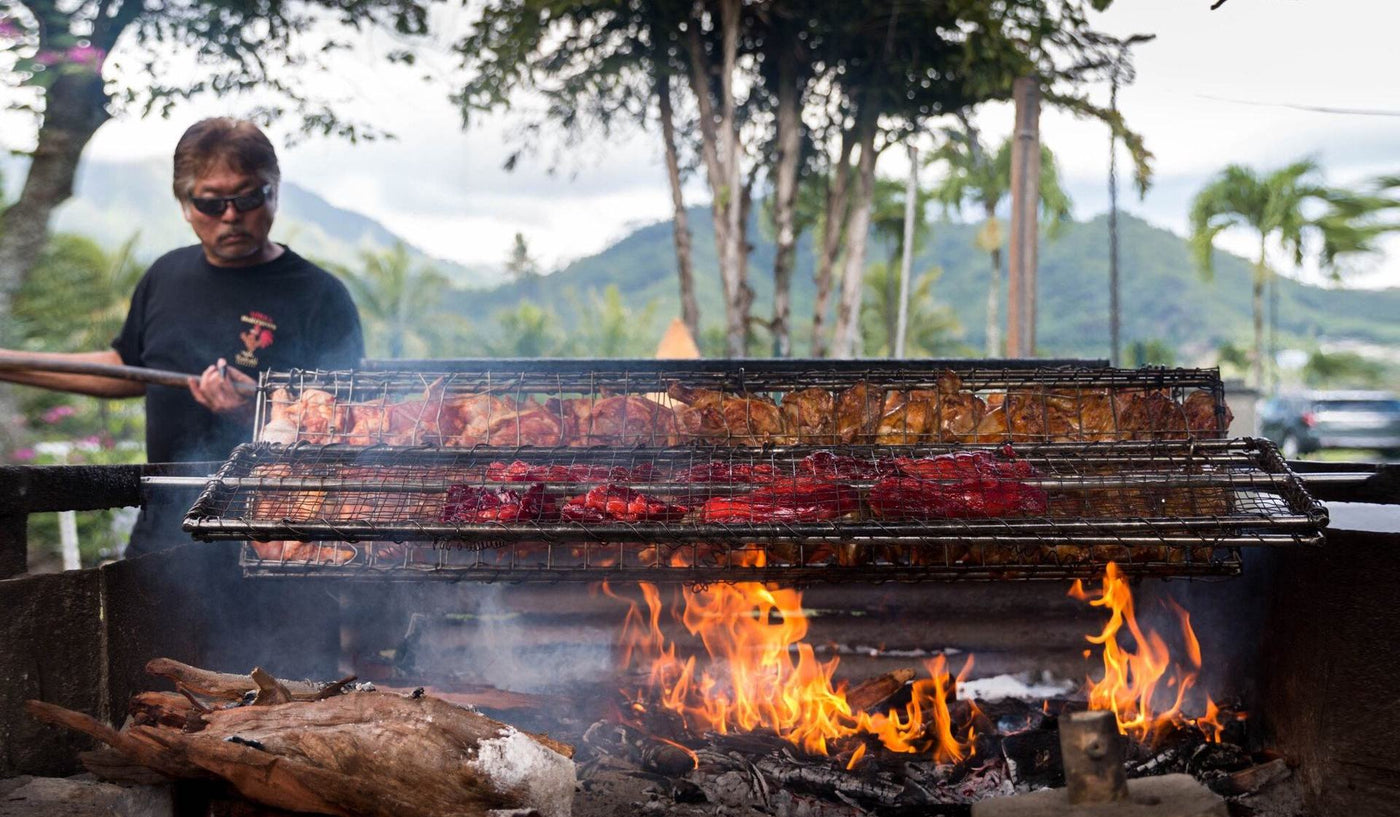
466	418
621	420
1151	416
808	416
858	409
1199	408
738	420
532	425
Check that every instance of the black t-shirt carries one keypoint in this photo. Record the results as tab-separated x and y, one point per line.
186	313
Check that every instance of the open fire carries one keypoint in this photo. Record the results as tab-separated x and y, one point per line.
747	669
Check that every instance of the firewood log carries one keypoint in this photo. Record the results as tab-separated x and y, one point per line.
872	692
225	686
360	754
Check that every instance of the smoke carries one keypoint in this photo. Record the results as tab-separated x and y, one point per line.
486	640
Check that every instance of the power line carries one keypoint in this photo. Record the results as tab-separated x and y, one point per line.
1309	108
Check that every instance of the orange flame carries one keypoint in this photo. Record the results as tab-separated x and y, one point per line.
1139	679
758	674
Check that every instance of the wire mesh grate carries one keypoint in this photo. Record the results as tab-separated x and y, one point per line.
712	513
743	403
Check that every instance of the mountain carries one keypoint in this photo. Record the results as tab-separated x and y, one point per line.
113	200
1164	298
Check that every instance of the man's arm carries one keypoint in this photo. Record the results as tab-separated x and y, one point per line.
76	383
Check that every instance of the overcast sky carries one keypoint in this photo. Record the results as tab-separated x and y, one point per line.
1214	88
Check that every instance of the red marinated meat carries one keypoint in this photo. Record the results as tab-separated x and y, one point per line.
963	465
468	503
618	503
839	466
723	473
526	472
801	500
913	498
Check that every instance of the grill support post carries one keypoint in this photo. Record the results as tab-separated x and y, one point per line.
1093	754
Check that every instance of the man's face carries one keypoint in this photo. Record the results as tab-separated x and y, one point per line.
232	239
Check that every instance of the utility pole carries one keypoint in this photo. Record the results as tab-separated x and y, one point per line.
1114	356
1025	227
906	264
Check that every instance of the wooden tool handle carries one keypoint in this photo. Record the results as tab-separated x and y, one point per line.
37	363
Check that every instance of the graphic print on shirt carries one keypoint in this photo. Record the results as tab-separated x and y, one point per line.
258	336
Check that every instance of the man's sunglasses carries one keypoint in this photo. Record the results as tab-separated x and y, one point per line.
216	205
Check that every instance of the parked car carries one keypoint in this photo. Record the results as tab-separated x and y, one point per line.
1303	423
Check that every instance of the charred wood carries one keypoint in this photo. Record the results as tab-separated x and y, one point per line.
361	753
1251	780
826	781
649	753
225	686
873	692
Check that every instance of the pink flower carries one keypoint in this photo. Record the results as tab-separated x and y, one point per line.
90	441
23	454
85	54
57	413
48	58
9	29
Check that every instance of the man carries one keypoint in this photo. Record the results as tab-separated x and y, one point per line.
231	306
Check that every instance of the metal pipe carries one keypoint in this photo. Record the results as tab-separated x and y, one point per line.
160	377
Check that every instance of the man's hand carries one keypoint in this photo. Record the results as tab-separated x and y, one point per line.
214	388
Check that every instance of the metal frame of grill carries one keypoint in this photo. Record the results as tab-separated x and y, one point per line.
1159	508
549	385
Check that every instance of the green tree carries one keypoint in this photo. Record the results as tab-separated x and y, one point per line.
1150	352
401	305
609	328
79	296
977	178
887	224
934	330
66	64
521	266
778	90
529	330
75	302
1342	370
1275	206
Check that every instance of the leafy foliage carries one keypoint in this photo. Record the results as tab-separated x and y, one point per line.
77	301
933	330
1342	370
1277	207
236	46
79	295
609	328
401	306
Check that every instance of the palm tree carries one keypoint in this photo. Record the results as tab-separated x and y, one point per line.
983	180
887	224
1275	207
934	330
401	305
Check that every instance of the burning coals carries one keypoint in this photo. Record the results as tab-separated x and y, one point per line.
740	711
